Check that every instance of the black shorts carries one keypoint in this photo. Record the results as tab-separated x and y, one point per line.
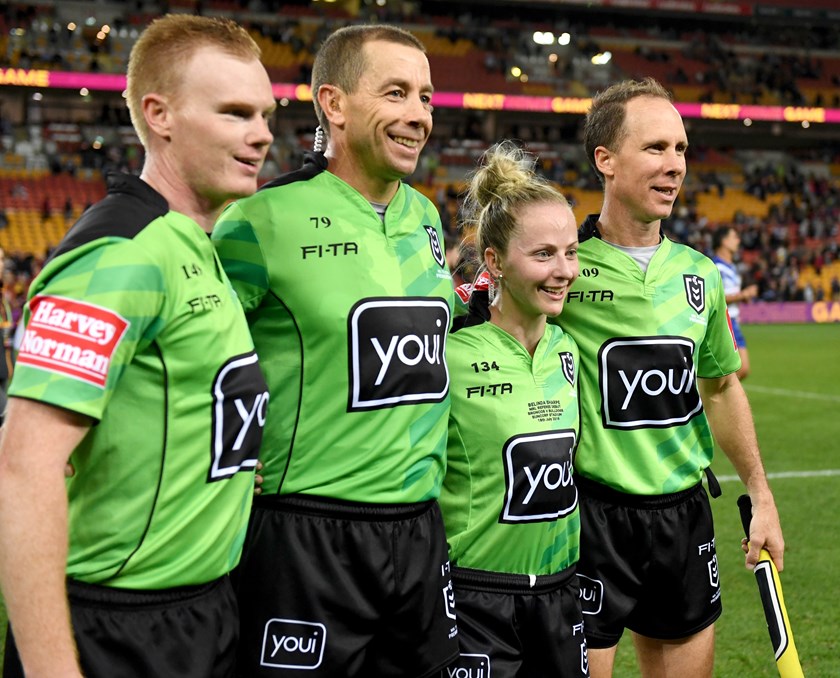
513	626
345	589
647	563
188	632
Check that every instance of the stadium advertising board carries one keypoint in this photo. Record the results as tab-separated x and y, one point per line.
791	312
21	77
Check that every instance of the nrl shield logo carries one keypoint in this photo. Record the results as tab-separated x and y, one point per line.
584	659
714	578
568	361
434	241
449	601
695	292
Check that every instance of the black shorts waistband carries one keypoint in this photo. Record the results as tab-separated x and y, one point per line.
596	490
503	582
337	508
84	592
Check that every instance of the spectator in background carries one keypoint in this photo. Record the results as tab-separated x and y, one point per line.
123	570
725	245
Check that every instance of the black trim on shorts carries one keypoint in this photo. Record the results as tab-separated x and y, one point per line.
110	597
606	493
504	582
338	508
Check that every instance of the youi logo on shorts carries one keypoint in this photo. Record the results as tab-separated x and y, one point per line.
469	666
293	644
396	352
538	477
647	382
591	594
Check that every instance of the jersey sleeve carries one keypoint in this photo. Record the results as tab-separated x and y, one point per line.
718	353
238	246
89	312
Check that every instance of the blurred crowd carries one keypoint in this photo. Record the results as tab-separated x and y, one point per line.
791	253
730	61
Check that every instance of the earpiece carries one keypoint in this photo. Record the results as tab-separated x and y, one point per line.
318	144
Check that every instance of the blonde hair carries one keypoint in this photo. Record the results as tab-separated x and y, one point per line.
505	182
158	57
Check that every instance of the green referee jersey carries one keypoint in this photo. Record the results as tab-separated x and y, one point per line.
133	323
509	501
644	340
349	316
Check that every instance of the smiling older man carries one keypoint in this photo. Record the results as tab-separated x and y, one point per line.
341	269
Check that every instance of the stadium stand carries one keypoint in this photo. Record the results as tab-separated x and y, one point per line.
778	184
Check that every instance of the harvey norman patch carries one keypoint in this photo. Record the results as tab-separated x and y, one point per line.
72	338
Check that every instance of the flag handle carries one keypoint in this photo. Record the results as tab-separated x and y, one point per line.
773	602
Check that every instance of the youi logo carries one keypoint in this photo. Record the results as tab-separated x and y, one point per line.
538	477
647	382
240	403
469	666
591	594
396	352
293	644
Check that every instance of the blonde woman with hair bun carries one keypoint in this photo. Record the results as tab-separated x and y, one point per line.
509	500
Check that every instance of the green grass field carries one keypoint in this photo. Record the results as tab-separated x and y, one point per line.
794	390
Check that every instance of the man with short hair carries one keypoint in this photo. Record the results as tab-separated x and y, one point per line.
138	368
658	376
341	270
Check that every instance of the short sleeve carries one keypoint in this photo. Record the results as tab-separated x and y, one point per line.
239	250
88	314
